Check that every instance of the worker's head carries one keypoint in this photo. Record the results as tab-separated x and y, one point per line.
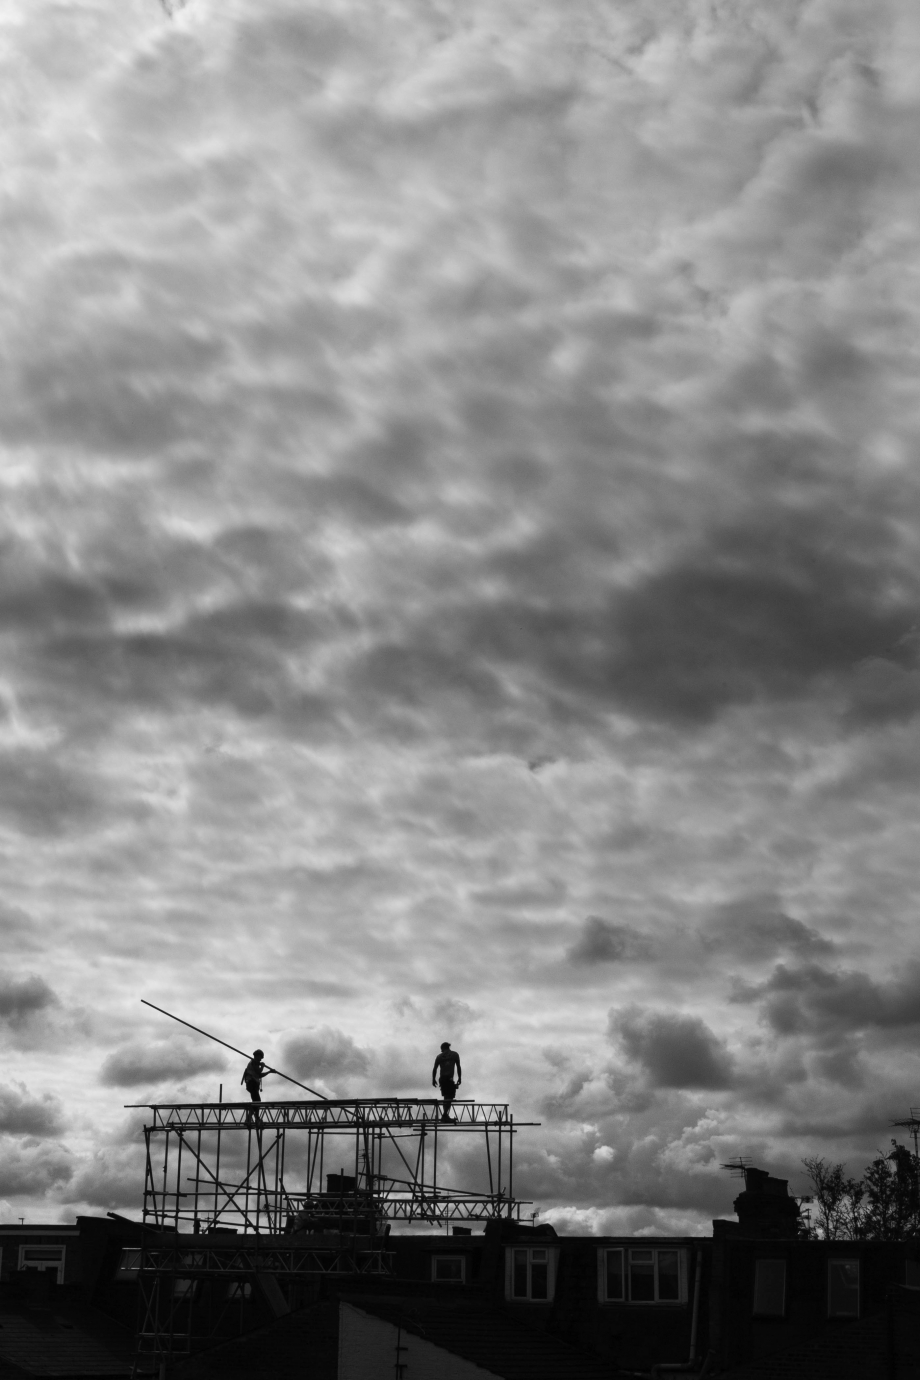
445	1045
258	1053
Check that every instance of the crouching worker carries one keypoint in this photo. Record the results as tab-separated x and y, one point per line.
446	1066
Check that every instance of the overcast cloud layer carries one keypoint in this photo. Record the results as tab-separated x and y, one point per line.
459	576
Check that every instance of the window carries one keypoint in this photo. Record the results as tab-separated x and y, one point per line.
843	1288
769	1288
912	1274
653	1275
448	1269
530	1273
612	1276
187	1288
129	1263
43	1258
239	1289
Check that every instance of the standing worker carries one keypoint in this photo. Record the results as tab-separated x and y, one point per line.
442	1075
253	1074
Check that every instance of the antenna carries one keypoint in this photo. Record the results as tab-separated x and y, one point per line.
737	1166
911	1125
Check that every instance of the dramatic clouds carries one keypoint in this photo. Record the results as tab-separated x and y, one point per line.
815	998
159	1062
323	1053
459	575
22	999
601	941
675	1051
22	1114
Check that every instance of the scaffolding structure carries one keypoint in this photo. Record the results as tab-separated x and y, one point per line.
233	1205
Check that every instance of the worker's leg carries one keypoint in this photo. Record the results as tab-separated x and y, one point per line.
252	1088
448	1092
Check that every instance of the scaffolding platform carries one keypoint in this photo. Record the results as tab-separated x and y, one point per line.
378	1111
245	1198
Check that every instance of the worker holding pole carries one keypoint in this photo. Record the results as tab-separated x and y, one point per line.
253	1074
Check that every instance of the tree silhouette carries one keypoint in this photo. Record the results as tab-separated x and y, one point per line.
884	1205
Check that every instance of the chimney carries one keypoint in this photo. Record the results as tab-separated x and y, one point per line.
765	1210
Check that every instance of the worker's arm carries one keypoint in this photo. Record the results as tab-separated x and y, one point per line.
434	1072
459	1077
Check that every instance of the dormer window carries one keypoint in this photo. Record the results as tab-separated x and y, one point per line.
129	1263
640	1275
530	1274
842	1288
43	1258
448	1269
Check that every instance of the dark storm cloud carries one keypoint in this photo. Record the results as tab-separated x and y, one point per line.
42	796
676	1051
885	690
27	1168
779	606
323	1053
603	941
112	1180
225	616
23	1115
33	599
754	927
764	611
450	1013
814	999
146	1064
235	657
23	997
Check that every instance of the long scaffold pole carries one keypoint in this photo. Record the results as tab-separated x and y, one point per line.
240	1052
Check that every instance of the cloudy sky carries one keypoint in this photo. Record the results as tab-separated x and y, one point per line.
459	576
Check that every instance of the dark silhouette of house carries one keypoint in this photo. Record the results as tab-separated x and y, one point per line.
755	1300
64	1311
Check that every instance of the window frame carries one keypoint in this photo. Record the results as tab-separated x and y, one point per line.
129	1272
186	1286
602	1274
443	1255
550	1260
626	1253
837	1260
49	1262
770	1260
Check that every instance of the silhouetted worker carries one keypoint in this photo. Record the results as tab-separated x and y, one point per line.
253	1074
442	1076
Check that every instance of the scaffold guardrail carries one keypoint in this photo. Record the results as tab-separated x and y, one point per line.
369	1112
